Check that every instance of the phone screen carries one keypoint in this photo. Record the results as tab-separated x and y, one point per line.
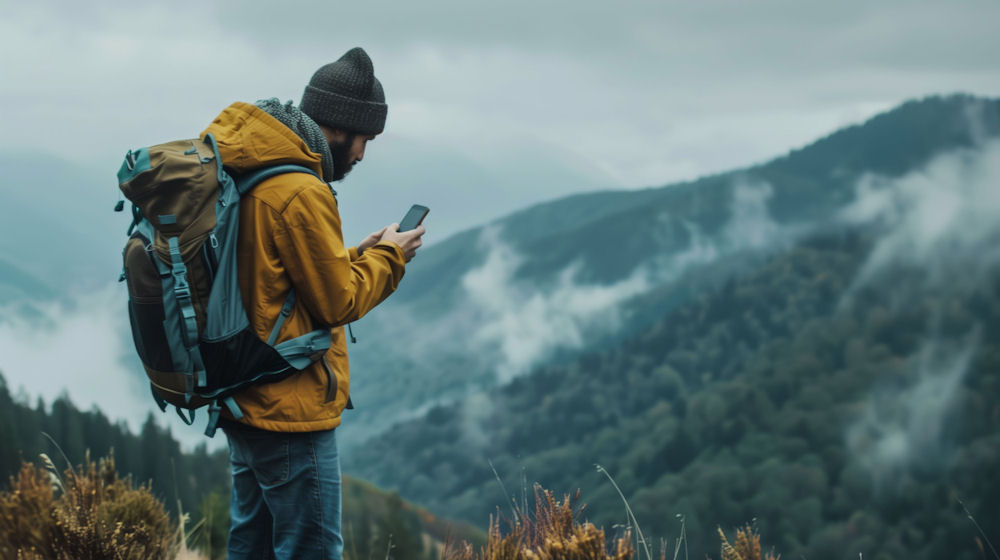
413	218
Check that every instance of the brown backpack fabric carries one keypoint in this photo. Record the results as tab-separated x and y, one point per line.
188	323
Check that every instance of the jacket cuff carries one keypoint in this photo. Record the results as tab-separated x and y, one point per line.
353	252
396	249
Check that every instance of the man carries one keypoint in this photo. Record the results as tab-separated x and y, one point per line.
283	452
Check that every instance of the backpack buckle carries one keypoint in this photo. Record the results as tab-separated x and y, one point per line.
181	286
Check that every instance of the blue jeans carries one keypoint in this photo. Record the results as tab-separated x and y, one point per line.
286	495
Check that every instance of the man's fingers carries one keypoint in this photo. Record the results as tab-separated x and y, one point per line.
415	233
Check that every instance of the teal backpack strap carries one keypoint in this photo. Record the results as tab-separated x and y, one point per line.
187	420
234	408
215	410
159	400
245	183
136	219
298	352
286	310
163	406
213	418
189	322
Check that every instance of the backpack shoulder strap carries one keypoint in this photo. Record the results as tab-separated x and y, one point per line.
246	182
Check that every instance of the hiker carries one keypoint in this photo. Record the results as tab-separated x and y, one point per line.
286	471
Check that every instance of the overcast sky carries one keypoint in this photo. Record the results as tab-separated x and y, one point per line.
492	105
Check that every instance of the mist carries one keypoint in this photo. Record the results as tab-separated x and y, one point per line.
520	325
902	426
939	219
937	228
80	348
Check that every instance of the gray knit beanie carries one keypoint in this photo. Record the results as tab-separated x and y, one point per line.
345	94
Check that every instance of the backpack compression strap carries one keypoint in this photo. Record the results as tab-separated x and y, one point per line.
215	409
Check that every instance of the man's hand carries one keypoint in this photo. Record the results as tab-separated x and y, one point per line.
372	239
408	241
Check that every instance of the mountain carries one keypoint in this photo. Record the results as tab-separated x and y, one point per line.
839	425
542	284
809	343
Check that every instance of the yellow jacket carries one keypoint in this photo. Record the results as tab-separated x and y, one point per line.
290	236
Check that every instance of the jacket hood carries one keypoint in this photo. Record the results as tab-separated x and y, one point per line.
249	139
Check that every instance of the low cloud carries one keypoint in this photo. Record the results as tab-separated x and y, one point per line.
751	225
941	219
522	324
904	426
750	228
475	412
81	349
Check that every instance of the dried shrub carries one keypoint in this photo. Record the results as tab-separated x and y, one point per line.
26	515
99	515
747	546
551	533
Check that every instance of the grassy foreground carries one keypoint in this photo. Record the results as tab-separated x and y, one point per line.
91	513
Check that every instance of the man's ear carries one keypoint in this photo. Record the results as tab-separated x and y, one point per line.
333	135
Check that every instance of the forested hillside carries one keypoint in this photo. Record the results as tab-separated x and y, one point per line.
557	278
809	343
845	419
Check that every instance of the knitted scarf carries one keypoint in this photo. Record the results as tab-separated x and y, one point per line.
306	128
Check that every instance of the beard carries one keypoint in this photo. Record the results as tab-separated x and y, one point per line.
342	163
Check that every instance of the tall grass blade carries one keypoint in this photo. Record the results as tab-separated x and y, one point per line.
641	539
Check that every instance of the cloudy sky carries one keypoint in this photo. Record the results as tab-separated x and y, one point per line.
492	105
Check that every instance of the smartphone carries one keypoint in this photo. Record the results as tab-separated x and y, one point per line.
413	218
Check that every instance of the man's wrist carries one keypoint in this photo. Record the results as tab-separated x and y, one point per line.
391	246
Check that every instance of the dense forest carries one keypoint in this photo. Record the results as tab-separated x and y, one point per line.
842	418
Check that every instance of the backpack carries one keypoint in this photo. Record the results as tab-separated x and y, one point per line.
185	307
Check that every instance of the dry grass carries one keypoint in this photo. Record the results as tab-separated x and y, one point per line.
26	522
747	546
90	514
551	533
